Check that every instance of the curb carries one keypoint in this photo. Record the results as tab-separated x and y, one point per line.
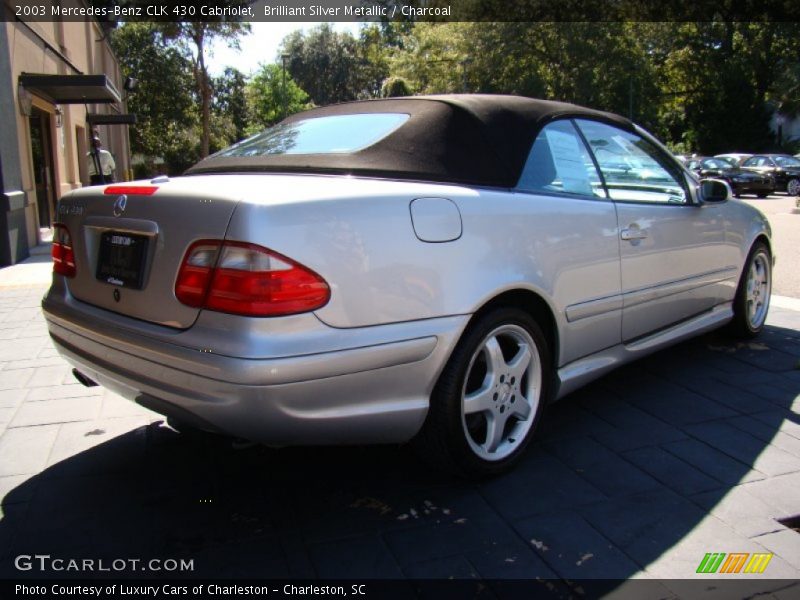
785	302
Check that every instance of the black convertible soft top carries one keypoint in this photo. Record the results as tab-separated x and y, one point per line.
476	139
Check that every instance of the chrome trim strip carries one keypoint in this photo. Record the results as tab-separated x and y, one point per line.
593	308
641	296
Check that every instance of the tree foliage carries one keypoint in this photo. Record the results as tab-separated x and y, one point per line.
194	38
708	86
716	80
164	101
229	100
272	95
395	87
334	66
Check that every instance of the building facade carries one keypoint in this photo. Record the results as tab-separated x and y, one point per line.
56	80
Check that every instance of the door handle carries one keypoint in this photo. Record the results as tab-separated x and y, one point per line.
633	233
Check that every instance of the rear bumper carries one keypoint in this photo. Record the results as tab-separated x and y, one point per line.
353	392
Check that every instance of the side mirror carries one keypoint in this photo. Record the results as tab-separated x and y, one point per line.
714	190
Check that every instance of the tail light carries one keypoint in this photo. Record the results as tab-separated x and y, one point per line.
195	274
246	279
63	255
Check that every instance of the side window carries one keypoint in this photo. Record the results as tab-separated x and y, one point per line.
633	168
751	162
559	162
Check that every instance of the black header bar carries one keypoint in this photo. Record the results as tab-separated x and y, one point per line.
112	12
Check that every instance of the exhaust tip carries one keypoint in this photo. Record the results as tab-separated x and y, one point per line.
84	379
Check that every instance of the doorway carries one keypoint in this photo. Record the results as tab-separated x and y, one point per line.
43	174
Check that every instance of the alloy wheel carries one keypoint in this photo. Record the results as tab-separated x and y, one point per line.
501	393
759	288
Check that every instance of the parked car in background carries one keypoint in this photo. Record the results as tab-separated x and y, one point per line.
784	168
433	269
740	180
735	158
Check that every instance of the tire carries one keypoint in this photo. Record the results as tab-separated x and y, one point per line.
793	187
751	304
508	394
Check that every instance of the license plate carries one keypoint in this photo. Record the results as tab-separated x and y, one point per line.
122	258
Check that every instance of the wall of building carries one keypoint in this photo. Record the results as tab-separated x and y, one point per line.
14	241
56	48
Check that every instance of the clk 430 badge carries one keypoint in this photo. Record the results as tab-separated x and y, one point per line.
70	209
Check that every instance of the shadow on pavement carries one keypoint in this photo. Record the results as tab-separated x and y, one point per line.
622	473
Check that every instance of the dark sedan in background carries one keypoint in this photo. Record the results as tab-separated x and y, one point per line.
741	181
784	168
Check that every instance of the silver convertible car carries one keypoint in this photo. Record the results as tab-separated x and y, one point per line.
433	269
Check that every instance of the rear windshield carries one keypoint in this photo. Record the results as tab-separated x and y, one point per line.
340	134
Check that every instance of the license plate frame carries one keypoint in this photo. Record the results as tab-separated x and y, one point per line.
121	259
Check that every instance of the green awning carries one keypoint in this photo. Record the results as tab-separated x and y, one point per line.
71	89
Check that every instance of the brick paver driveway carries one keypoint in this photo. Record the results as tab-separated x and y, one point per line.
693	450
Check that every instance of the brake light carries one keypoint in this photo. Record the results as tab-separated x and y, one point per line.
195	274
131	190
246	279
63	255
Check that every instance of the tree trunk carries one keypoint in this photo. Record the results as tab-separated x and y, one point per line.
205	92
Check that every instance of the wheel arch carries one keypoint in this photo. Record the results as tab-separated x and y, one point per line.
760	236
764	238
531	302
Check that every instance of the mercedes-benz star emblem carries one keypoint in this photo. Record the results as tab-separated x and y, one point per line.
120	204
117	295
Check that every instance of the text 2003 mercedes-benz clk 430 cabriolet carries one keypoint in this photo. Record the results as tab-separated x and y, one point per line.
432	269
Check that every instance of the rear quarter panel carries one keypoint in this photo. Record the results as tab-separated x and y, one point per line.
358	235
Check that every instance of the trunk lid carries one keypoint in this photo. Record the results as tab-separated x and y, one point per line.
129	243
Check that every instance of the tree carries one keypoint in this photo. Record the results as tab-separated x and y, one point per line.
395	87
717	78
163	101
337	67
193	39
271	97
594	64
705	85
230	100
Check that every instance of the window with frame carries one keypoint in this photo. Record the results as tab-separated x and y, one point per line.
633	168
560	163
